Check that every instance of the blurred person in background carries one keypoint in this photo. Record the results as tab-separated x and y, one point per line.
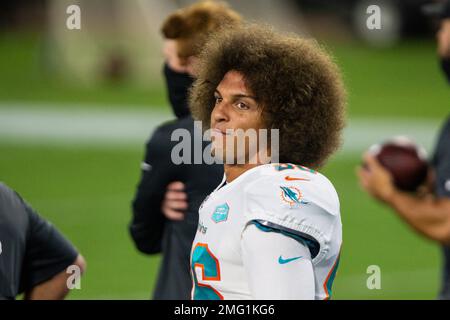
166	203
428	213
34	256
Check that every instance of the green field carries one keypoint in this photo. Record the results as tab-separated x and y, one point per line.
86	192
87	195
402	81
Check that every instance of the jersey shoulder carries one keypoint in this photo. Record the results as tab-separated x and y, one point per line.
296	200
292	186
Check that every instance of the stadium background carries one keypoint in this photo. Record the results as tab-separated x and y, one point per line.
76	108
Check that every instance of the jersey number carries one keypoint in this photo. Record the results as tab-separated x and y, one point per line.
203	258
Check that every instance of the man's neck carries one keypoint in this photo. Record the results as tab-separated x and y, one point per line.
234	171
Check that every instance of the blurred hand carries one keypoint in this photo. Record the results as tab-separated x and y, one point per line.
375	179
443	38
175	202
427	189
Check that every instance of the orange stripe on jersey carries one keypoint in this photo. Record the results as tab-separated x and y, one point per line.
325	285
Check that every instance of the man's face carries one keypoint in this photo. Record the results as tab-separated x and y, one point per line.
170	52
235	108
177	64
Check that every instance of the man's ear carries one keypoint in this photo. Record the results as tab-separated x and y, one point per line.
191	63
170	51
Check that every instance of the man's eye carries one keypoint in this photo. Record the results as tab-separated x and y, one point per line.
218	100
242	106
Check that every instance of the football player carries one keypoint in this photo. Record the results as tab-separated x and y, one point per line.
269	230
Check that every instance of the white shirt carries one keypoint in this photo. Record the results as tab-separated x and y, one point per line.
255	236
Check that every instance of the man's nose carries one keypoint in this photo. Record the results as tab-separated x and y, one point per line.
220	112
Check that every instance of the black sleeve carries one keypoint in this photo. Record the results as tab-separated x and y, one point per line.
441	162
47	252
147	225
446	12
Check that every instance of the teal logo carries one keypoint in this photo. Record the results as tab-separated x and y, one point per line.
284	261
220	213
293	196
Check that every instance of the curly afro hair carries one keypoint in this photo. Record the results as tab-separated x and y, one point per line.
296	83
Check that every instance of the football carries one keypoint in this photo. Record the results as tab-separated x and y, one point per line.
405	160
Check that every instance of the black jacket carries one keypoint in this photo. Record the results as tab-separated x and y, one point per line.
150	230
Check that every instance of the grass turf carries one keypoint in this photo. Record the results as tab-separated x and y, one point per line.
87	194
401	81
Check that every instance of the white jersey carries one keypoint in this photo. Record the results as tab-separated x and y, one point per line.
285	198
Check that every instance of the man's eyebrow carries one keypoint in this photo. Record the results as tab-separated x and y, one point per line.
244	96
239	95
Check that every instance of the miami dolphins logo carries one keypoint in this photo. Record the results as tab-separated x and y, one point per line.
292	196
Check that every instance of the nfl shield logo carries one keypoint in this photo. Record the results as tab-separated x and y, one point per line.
220	213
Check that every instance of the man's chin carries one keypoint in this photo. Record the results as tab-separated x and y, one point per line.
221	156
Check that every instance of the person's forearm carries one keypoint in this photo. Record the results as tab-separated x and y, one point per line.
146	230
427	215
55	288
147	223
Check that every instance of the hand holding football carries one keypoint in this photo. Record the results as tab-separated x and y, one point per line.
405	160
